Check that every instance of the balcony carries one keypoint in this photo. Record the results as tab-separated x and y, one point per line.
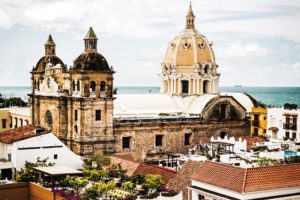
290	126
255	123
102	94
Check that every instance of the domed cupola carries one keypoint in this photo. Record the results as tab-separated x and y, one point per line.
49	56
189	66
90	59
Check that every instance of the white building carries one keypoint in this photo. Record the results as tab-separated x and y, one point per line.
221	181
283	124
27	144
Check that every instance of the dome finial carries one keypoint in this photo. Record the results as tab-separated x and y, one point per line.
50	46
90	40
190	18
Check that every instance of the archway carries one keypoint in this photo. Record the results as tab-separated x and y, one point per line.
102	86
92	86
48	119
206	87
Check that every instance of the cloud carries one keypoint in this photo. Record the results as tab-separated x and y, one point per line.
239	49
290	70
4	20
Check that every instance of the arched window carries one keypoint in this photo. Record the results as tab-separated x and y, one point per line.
205	87
206	69
78	85
48	119
38	85
102	86
92	86
34	84
73	85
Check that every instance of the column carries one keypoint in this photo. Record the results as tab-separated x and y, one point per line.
200	85
179	87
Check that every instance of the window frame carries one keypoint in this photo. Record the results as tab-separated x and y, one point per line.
159	143
98	115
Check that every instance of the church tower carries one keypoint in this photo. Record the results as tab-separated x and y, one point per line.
75	104
189	66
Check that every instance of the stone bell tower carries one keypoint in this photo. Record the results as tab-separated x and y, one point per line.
76	104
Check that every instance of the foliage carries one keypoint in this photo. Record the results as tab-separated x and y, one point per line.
138	179
95	174
128	186
91	192
150	196
66	194
293	159
100	159
169	193
13	101
259	148
27	174
77	183
115	90
290	106
153	181
104	188
116	171
263	162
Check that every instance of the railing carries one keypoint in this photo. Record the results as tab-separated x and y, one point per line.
102	94
255	123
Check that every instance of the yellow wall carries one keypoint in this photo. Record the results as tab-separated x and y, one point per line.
4	114
262	121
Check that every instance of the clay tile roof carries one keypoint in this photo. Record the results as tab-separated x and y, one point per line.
182	179
134	167
245	180
18	134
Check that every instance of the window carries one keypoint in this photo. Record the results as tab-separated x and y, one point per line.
98	115
21	122
78	85
287	134
223	111
294	135
158	140
126	142
11	121
26	122
205	87
16	122
76	115
49	119
76	129
222	135
3	123
200	197
55	156
102	86
93	86
265	130
9	157
185	87
206	69
73	85
187	139
255	132
256	116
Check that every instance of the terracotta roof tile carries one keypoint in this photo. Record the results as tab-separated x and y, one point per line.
245	180
18	134
182	179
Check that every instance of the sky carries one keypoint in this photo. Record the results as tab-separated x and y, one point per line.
256	42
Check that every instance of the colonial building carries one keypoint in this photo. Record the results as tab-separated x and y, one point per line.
78	104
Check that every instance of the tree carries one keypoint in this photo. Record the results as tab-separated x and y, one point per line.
100	159
104	188
153	181
263	162
95	175
27	174
77	183
128	186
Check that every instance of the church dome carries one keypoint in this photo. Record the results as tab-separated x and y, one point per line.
189	46
90	59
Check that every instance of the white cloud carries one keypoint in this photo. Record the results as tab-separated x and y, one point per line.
239	49
290	70
4	20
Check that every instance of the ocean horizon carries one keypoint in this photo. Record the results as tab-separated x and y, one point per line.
272	96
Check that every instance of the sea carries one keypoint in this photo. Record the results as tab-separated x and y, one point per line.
271	96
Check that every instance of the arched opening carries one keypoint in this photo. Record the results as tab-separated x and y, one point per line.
48	119
206	68
34	84
76	129
78	85
223	134
184	87
206	87
102	86
92	86
73	85
38	85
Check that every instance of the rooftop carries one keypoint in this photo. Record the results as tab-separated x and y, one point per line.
20	133
245	180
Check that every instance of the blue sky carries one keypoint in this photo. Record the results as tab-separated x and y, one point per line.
256	42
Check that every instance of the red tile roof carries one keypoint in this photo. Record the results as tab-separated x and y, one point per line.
244	180
182	179
134	167
18	134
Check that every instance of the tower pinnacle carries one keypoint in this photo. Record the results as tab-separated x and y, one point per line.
50	46
190	18
90	40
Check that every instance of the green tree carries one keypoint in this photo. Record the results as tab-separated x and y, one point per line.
77	183
263	162
100	159
153	181
27	174
95	175
104	188
128	186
